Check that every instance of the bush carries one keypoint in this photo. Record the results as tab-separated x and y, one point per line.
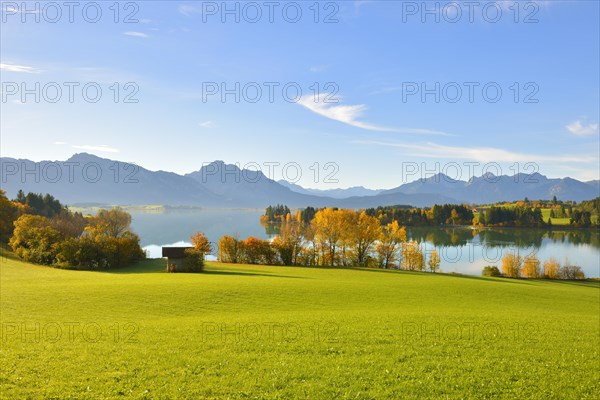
571	272
193	261
99	253
490	270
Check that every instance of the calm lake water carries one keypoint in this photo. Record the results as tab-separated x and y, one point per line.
461	249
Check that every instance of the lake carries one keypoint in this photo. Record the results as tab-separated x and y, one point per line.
462	250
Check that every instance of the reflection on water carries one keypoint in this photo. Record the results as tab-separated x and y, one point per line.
173	227
462	249
466	250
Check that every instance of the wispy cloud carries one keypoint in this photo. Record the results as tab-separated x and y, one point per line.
187	9
350	114
318	68
60	143
19	68
103	148
579	129
482	154
136	34
207	124
11	9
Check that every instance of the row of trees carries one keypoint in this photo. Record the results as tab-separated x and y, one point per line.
41	230
512	216
515	266
446	214
334	237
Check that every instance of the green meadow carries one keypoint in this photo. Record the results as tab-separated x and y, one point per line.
257	332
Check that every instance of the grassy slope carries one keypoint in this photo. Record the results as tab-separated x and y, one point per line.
323	334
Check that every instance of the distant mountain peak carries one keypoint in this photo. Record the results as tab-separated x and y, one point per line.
84	157
438	178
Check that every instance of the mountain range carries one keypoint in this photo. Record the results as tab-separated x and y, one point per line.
88	179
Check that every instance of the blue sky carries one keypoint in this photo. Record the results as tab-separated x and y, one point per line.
377	56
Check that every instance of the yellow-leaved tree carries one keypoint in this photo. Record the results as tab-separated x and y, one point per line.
434	261
511	265
531	267
390	239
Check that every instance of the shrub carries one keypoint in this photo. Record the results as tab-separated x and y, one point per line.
490	270
99	253
571	272
193	260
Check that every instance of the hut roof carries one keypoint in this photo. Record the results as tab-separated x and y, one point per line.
174	252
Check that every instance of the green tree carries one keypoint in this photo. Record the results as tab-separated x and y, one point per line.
490	270
9	212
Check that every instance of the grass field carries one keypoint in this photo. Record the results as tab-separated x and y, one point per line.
255	332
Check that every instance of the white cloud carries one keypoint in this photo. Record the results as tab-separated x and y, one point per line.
136	34
481	154
19	68
578	129
349	114
318	68
207	124
187	9
103	148
11	9
60	143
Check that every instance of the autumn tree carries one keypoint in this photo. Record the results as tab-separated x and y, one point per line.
68	223
531	267
9	212
252	250
412	256
35	240
511	265
390	238
330	229
288	244
364	230
113	223
201	243
195	256
551	268
434	261
230	249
